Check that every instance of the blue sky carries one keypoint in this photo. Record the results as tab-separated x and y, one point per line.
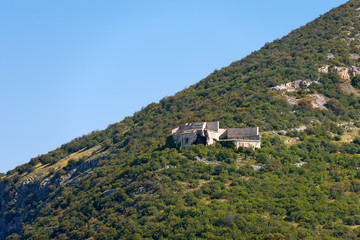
70	67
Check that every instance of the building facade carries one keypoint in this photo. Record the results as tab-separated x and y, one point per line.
209	132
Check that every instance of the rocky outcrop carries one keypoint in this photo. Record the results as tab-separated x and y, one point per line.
354	56
316	100
292	86
344	72
349	89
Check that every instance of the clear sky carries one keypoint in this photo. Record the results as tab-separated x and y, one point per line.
70	67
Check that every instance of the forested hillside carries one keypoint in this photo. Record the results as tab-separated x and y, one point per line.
130	182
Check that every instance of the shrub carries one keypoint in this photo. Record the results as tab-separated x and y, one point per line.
355	81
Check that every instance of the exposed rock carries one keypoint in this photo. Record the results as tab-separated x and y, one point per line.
349	40
108	192
317	100
35	190
66	177
346	125
45	183
258	166
166	167
291	100
299	164
355	56
282	132
344	72
140	190
299	129
292	86
204	160
348	88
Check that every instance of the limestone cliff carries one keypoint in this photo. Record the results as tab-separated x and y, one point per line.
344	72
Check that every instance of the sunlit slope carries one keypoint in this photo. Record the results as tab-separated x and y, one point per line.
129	182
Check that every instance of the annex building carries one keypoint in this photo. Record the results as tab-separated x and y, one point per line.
209	132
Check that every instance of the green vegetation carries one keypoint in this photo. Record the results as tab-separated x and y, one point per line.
136	184
355	81
176	192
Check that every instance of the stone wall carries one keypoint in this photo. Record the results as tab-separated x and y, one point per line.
238	133
210	136
222	133
213	126
209	132
191	127
185	139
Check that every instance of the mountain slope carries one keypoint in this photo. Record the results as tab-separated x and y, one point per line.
129	182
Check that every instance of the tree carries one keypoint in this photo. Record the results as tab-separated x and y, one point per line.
355	81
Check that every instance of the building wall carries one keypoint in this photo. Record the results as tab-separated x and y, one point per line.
214	126
208	132
185	139
247	144
192	127
174	130
222	133
211	135
242	132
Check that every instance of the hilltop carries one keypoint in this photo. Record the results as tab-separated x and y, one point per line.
129	182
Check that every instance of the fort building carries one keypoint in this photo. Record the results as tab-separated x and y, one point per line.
209	132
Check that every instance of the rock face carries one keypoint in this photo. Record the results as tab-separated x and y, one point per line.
349	89
27	197
344	72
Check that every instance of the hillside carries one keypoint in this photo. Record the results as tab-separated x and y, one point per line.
129	182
